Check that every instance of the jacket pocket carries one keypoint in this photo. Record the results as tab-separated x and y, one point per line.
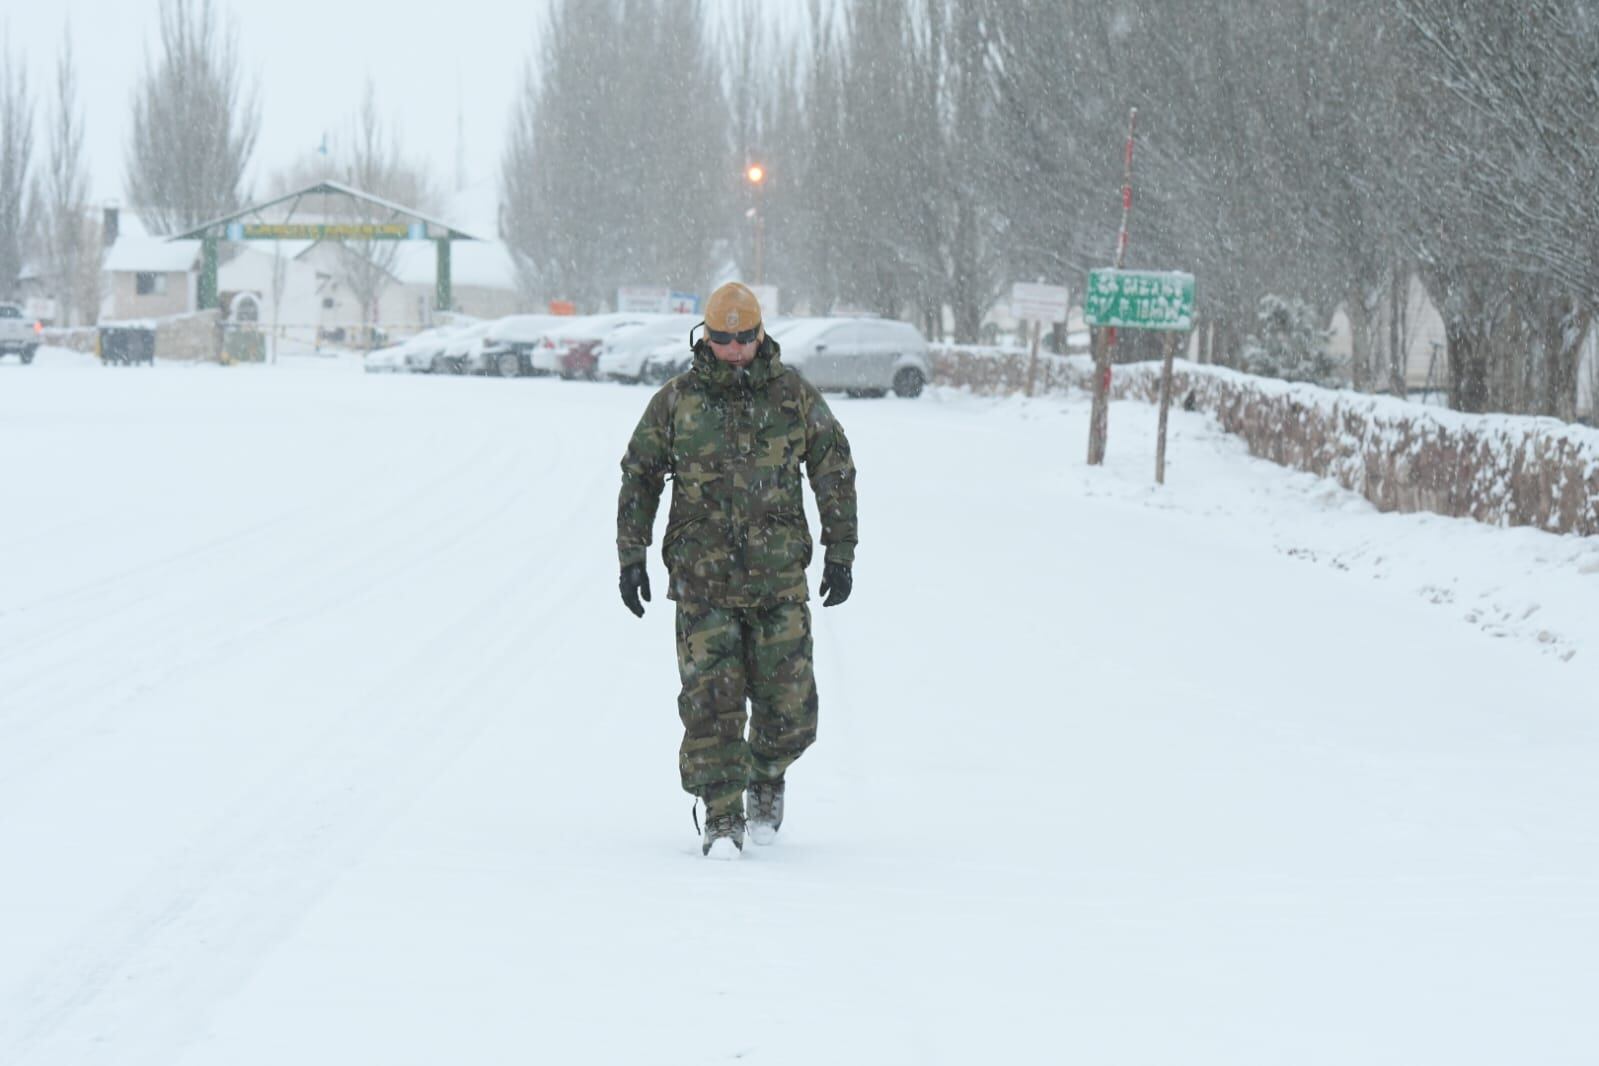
780	546
675	531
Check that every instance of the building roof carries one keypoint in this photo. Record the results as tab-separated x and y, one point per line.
436	229
151	255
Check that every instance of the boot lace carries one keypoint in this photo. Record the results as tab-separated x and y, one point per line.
764	800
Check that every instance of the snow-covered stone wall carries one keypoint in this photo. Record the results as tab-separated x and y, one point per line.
1499	469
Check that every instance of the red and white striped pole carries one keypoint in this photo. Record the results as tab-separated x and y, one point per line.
1099	416
1127	190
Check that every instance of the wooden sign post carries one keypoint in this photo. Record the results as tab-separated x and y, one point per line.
1170	349
1138	299
1037	304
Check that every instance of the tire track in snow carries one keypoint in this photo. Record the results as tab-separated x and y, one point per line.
311	582
195	931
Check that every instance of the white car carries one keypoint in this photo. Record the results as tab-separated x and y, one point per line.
19	333
464	349
572	349
623	352
389	360
509	344
424	351
429	351
858	356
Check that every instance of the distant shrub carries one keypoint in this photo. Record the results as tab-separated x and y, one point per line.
1288	344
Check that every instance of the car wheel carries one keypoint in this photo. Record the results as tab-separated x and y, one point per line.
508	364
27	356
908	383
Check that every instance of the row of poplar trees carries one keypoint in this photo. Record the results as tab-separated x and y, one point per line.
195	120
924	154
193	129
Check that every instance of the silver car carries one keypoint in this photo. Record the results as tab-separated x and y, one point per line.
858	356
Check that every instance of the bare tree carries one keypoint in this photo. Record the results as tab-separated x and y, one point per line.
16	156
71	257
194	123
1508	108
369	158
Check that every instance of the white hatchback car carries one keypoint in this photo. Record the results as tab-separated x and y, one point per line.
622	354
389	360
859	356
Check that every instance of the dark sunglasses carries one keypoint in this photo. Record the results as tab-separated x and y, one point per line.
743	336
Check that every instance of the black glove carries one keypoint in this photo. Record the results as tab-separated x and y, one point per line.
635	583
836	583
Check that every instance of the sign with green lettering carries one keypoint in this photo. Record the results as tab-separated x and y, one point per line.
1140	299
326	231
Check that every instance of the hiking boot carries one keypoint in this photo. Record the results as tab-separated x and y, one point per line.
724	836
764	800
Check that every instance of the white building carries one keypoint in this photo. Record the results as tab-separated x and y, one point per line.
306	290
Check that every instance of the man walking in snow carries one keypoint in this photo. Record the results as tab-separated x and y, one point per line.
733	433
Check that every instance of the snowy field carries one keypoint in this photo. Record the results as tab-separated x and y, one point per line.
324	738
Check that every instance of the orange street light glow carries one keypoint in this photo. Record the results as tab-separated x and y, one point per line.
756	173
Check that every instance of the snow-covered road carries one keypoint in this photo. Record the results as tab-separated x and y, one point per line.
324	738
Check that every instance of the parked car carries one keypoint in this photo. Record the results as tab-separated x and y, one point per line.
572	348
622	353
665	361
463	352
428	351
19	333
858	356
508	345
424	352
389	360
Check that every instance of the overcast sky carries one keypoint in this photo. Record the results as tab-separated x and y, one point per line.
309	59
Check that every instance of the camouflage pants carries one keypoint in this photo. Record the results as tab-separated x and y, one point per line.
726	655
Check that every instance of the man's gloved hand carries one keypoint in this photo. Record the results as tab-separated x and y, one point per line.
636	583
836	583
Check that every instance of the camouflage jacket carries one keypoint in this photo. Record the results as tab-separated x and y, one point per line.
733	441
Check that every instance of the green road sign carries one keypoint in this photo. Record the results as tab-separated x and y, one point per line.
1140	299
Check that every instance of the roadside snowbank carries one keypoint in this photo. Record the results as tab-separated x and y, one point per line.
1506	470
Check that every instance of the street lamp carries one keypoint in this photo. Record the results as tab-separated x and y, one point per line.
755	174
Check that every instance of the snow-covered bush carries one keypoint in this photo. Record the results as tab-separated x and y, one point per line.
1288	344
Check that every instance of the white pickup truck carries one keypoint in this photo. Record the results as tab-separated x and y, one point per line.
18	333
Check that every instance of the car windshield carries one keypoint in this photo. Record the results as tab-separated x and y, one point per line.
522	328
798	333
599	326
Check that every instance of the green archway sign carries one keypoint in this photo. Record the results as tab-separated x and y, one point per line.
326	211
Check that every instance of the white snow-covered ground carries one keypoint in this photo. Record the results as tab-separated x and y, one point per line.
324	738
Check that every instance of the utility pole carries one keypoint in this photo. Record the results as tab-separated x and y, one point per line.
755	174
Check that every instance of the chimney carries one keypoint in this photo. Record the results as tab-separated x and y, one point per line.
113	218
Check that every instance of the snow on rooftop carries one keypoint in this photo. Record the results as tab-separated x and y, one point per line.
485	264
154	255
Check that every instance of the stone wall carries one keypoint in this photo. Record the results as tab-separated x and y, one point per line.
194	336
